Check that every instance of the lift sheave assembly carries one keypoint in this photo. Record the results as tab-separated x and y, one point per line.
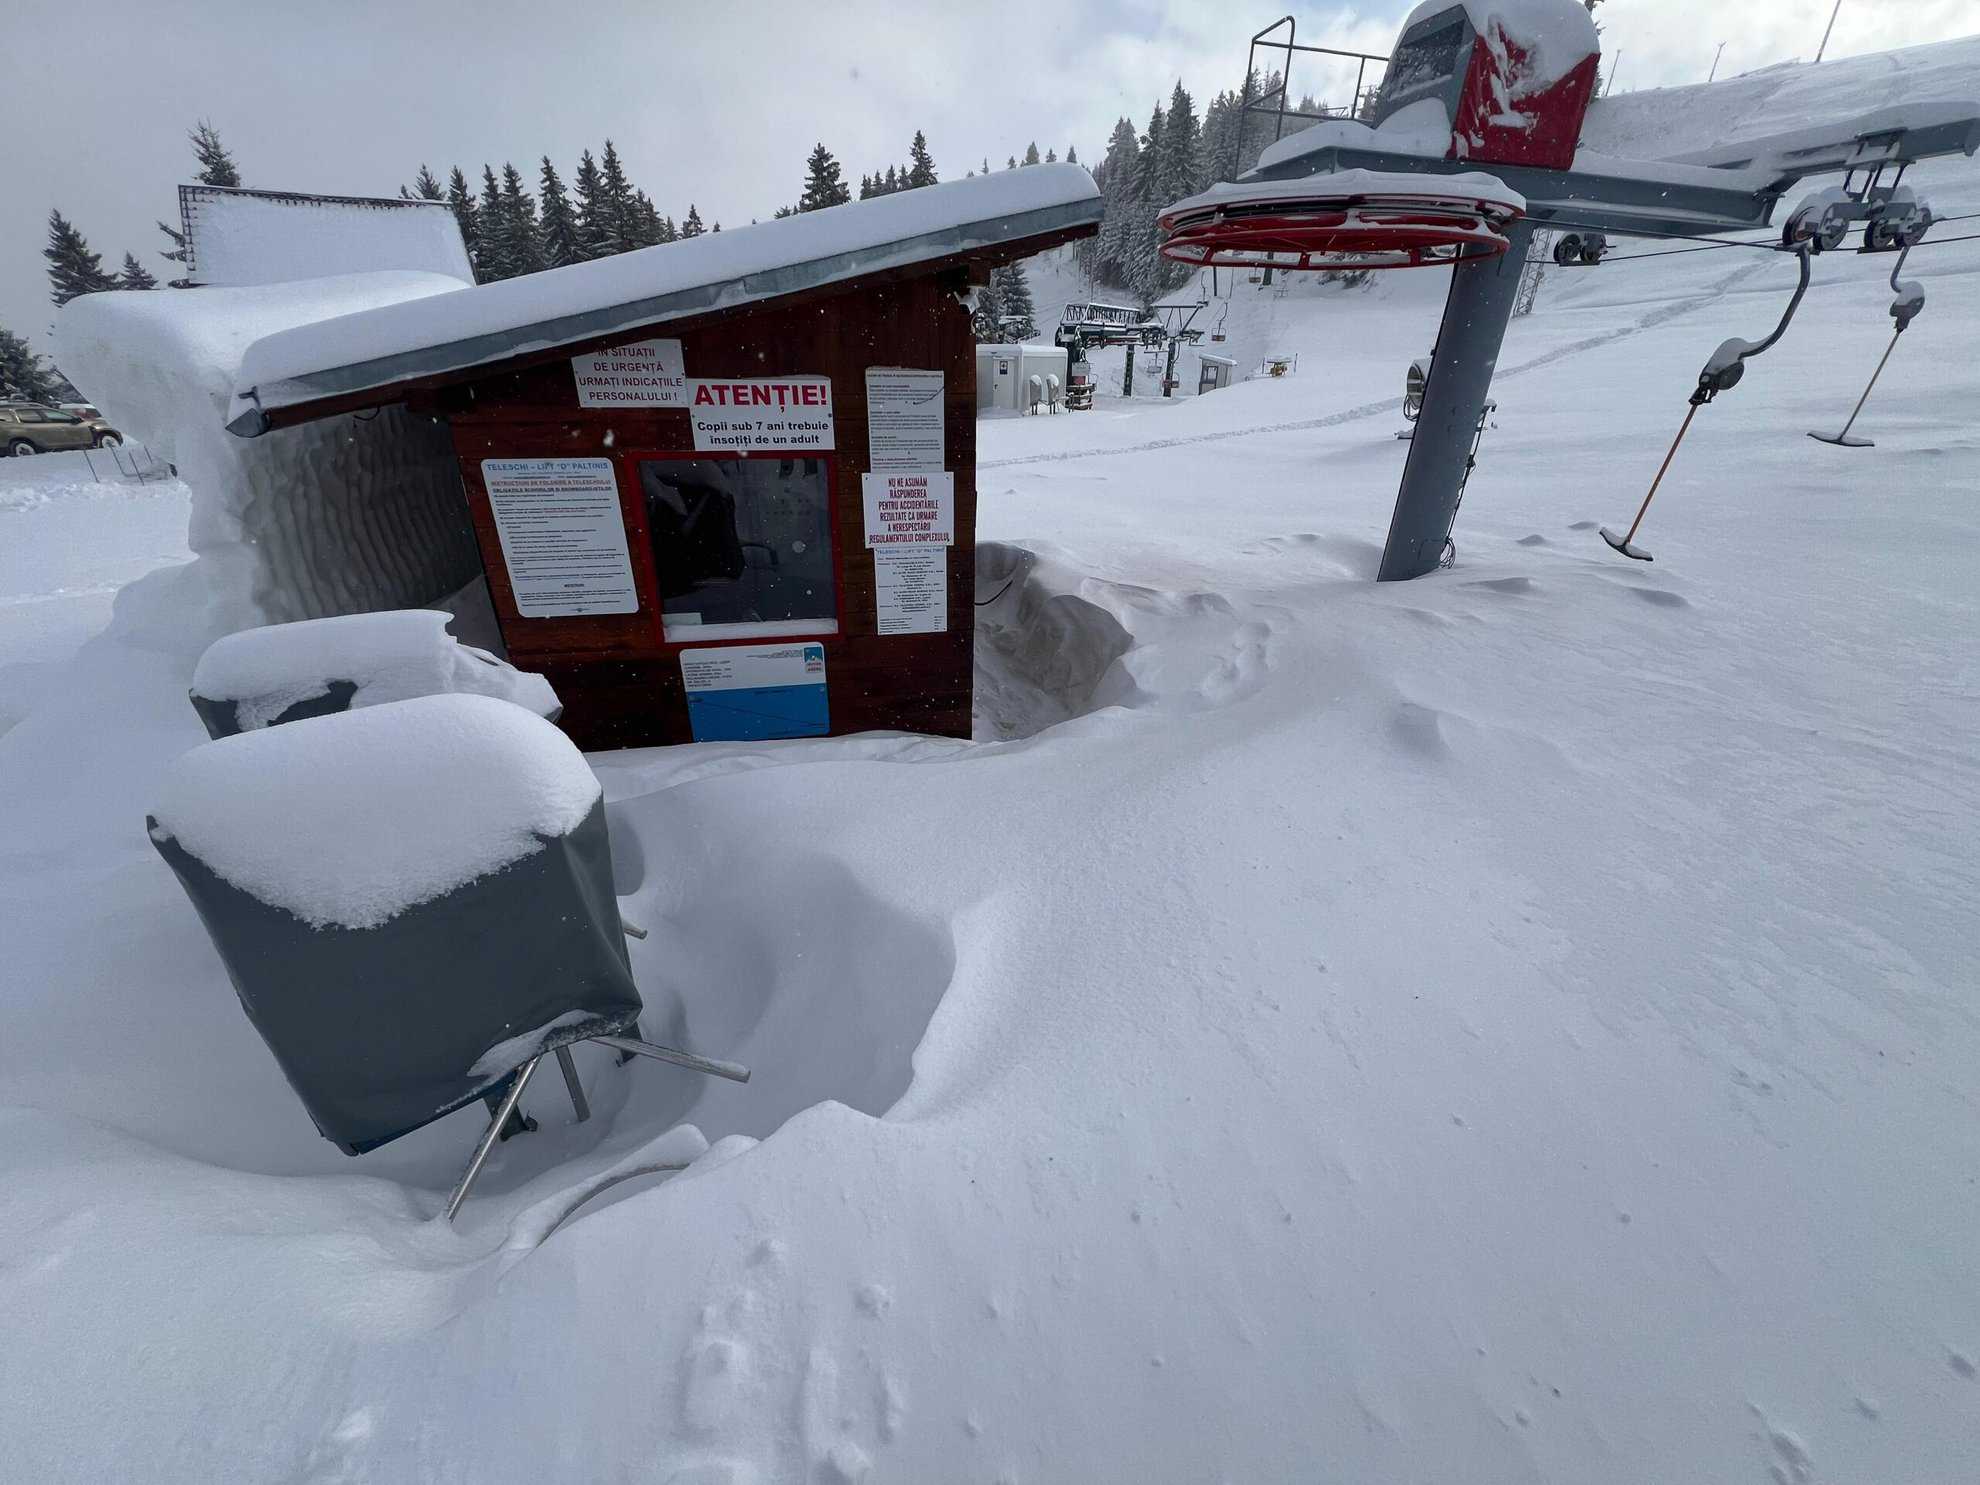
1472	144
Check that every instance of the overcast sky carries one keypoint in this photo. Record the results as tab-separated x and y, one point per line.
714	104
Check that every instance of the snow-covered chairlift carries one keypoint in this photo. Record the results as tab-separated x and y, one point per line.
415	905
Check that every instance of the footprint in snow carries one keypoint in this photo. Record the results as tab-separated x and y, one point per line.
1584	525
1535	540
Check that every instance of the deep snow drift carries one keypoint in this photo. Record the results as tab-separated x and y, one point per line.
1515	1025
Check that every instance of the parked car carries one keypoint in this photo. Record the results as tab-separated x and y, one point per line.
30	428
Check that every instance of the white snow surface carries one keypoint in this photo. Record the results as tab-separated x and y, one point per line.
1685	121
352	818
725	264
389	656
250	237
335	517
1514	1026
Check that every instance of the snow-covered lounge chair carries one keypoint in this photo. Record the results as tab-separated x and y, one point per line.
415	904
285	672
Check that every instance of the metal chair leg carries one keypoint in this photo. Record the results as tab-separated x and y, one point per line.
493	1133
735	1072
571	1082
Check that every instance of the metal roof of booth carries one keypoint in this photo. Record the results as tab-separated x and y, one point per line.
327	366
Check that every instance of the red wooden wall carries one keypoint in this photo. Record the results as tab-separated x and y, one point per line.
619	679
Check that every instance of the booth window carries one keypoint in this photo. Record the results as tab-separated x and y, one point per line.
742	548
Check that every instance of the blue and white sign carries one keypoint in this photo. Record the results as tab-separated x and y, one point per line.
745	693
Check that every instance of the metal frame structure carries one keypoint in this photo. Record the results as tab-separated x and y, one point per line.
1261	104
507	1110
1728	189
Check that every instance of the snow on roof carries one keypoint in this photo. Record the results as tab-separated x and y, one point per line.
143	355
352	818
1420	128
240	236
1471	185
589	301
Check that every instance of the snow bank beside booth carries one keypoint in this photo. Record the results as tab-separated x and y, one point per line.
342	516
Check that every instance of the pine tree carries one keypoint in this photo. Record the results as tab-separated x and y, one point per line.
1011	164
1142	266
23	376
650	229
985	170
692	226
618	210
1051	156
1072	155
716	228
525	245
1181	172
1016	314
491	262
822	185
1110	251
135	275
72	268
424	187
588	199
216	166
1031	153
866	188
921	164
558	222
985	321
461	199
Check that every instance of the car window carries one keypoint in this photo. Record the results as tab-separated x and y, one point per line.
31	415
62	417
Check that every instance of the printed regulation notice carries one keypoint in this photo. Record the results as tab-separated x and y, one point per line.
563	536
903	418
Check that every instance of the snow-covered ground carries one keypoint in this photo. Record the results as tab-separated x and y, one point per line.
1515	1025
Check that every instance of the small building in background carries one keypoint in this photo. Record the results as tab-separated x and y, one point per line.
1004	373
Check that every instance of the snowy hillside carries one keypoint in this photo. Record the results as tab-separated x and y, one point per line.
1516	1025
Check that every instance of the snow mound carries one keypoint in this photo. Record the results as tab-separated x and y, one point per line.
390	656
337	517
350	819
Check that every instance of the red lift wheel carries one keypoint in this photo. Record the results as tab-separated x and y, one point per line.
1399	230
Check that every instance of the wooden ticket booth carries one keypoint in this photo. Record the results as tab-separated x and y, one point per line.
723	489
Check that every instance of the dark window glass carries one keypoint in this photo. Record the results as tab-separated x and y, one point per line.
1422	68
741	547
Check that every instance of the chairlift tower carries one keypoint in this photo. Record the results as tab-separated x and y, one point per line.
1473	145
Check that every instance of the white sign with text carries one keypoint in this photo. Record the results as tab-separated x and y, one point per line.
641	373
779	413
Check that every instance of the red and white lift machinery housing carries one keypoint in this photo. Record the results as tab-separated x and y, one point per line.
1473	144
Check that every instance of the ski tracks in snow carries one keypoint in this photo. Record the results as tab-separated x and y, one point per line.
1661	315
